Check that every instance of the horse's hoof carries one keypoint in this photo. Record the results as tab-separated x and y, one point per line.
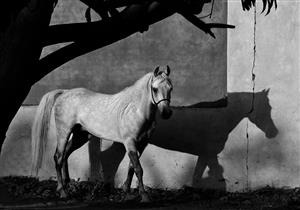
145	198
129	197
125	188
62	193
109	188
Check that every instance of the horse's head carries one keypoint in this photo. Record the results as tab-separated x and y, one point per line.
161	87
261	114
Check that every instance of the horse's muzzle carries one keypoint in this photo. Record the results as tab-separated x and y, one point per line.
166	113
271	132
164	109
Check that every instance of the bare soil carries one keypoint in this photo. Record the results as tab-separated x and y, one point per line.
30	193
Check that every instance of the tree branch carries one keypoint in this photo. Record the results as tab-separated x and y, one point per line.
91	36
101	7
206	27
188	10
132	15
77	31
97	6
121	3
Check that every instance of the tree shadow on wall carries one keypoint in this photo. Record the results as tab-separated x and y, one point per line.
203	131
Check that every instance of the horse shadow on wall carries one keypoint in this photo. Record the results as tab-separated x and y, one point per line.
200	131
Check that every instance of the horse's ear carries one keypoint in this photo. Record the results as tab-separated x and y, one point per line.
168	71
156	70
266	91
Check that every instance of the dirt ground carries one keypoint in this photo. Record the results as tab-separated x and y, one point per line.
30	193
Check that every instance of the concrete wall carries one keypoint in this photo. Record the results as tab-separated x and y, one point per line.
276	161
225	148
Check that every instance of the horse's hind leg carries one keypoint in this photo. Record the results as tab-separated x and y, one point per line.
76	140
134	158
65	169
127	183
59	156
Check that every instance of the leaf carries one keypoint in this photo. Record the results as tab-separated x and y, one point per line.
269	6
264	5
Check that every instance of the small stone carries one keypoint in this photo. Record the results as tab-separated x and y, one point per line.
224	198
247	202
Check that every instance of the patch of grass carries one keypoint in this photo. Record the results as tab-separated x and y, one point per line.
32	190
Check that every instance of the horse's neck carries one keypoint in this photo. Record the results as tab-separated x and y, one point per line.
239	106
145	103
137	96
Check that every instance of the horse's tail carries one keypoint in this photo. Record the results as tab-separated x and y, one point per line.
39	131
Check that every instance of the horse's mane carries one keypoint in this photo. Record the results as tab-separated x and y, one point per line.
206	104
139	83
134	90
143	80
232	97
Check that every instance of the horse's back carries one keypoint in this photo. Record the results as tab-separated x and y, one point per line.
77	104
67	105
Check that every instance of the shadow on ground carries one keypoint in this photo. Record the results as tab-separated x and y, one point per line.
27	192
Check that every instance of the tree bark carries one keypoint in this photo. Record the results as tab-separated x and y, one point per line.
20	49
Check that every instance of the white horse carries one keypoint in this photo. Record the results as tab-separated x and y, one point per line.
127	117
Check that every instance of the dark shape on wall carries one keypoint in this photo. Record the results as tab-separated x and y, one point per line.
204	132
248	4
94	152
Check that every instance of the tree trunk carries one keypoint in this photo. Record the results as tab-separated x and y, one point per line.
22	41
24	30
20	49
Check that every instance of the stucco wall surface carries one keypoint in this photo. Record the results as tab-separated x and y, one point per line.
276	161
226	148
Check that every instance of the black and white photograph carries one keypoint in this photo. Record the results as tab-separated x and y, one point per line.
150	104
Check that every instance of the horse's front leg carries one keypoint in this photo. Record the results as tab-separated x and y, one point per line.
134	158
127	183
140	148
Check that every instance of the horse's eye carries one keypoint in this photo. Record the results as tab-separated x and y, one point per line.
155	90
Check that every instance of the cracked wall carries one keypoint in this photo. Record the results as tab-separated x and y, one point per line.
275	161
208	147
